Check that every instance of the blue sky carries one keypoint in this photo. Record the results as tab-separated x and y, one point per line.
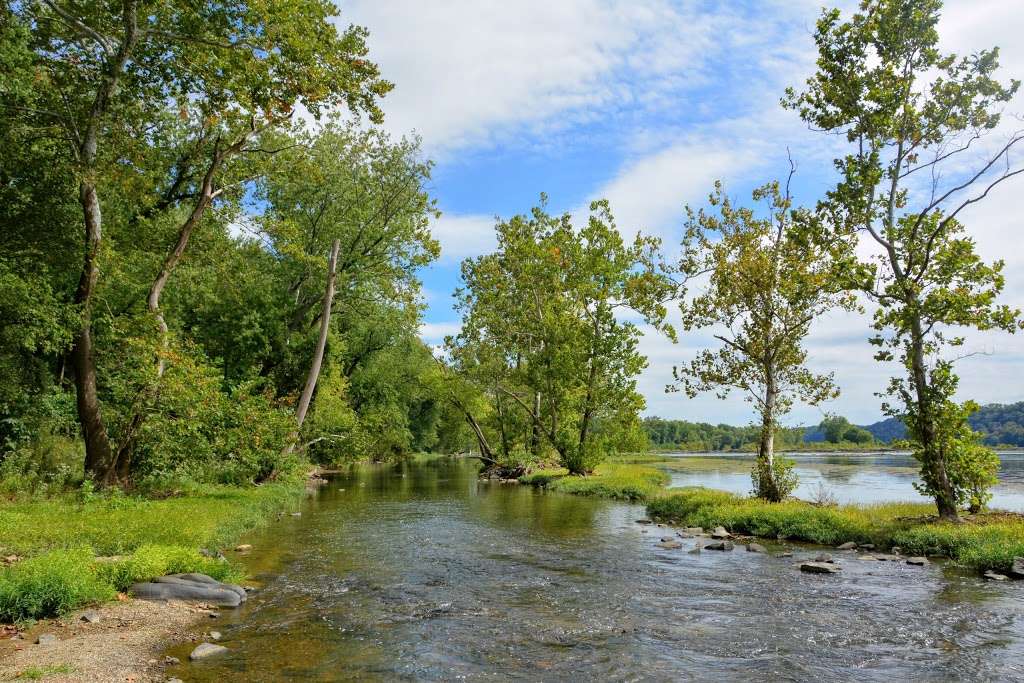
646	103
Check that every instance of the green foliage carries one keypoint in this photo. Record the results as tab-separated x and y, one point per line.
905	107
151	561
774	480
619	481
700	436
541	339
35	673
51	585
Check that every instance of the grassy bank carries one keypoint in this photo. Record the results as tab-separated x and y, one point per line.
983	542
137	538
618	480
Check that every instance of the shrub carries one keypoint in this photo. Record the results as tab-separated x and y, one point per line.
51	585
150	561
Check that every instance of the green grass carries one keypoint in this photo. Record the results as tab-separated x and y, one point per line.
618	480
61	536
35	673
987	542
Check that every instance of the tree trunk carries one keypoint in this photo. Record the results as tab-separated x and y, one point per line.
768	485
535	428
934	459
321	344
98	456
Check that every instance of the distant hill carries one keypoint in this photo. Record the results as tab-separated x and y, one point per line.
1001	425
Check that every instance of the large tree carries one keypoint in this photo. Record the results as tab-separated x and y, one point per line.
544	330
106	75
767	281
918	123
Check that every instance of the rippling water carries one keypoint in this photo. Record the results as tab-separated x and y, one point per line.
421	572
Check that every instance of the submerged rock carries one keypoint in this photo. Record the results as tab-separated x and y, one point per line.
823	557
888	558
819	568
695	530
849	545
756	548
204	650
670	545
995	576
917	561
644	521
719	545
198	587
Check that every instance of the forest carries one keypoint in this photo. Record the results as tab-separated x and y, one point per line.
211	262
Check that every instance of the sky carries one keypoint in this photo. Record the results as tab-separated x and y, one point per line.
647	103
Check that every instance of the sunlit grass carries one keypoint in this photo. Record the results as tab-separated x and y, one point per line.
616	480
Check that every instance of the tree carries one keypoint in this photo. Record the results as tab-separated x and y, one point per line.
106	71
913	118
767	282
542	333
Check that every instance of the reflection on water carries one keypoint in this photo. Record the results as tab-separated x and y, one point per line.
420	572
867	478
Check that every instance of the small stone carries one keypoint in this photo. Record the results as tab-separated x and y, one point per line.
1017	571
46	639
243	548
756	548
719	545
91	616
644	521
695	530
296	514
171	661
215	635
994	576
917	561
849	545
666	539
819	568
867	558
670	545
896	550
888	558
175	680
720	533
786	554
204	650
867	546
823	557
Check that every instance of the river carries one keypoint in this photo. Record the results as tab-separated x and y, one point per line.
419	571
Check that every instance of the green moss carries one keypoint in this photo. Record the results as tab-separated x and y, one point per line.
988	542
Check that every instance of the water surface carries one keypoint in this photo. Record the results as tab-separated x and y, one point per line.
848	478
422	572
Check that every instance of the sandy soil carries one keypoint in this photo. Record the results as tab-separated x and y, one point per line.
124	646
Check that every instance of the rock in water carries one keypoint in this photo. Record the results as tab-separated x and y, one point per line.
995	576
756	548
917	561
849	545
190	587
720	545
1017	571
204	650
670	545
819	568
644	521
695	530
823	557
720	533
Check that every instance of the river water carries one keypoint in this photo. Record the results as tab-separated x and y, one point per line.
419	571
846	478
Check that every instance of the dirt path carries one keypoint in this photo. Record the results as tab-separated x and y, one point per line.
124	645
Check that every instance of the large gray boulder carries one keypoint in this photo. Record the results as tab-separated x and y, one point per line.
199	587
1017	571
819	568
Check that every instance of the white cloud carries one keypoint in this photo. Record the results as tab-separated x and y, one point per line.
463	236
434	333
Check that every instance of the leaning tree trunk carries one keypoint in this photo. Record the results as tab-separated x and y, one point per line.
98	455
321	344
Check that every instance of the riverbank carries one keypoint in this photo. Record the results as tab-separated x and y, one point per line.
983	542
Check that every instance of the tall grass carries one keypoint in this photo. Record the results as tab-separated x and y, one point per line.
617	480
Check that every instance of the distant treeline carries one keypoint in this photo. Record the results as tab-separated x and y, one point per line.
1002	425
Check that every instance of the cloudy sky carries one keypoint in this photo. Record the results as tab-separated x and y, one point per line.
646	103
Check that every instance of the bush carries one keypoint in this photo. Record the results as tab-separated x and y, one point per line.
150	561
51	585
610	480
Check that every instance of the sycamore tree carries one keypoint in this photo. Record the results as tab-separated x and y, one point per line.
767	281
545	329
921	127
